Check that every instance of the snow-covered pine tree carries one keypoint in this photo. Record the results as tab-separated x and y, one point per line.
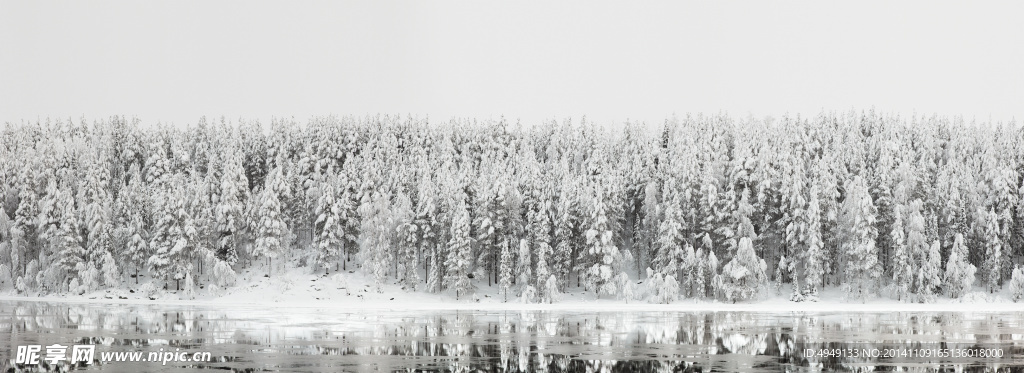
1000	193
272	231
692	272
993	251
350	223
917	246
505	270
670	236
744	274
375	236
524	266
551	289
601	247
660	288
26	229
407	240
173	236
860	254
902	262
234	188
647	235
1017	284
741	216
133	204
67	244
959	271
100	226
460	253
812	256
625	286
712	277
491	226
565	228
929	275
540	227
427	226
329	224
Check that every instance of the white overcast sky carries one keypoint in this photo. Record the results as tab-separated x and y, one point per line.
610	61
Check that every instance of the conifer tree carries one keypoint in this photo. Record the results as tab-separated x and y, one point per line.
859	251
993	252
272	231
744	274
540	224
459	257
376	235
505	270
601	247
407	240
929	275
229	209
959	271
329	224
903	272
812	257
1017	284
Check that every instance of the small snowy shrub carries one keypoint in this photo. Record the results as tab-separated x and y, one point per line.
1017	284
929	276
223	275
529	294
75	288
149	290
88	275
669	290
662	289
796	295
551	291
744	275
625	287
188	290
19	285
108	271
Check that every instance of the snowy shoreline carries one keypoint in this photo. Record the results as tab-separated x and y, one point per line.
769	306
355	292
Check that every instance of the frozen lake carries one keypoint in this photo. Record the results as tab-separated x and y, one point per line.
320	340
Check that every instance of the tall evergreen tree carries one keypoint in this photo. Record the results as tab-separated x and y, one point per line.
601	247
993	252
744	274
902	261
459	248
960	272
860	254
271	229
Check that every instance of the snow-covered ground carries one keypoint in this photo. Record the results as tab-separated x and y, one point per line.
355	291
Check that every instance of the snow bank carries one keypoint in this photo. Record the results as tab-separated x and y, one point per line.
354	291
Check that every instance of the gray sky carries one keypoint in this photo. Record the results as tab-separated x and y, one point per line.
610	61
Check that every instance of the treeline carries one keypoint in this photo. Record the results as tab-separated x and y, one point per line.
698	207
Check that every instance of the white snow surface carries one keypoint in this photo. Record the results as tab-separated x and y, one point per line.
354	290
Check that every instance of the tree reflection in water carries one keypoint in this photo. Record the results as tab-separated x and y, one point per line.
321	340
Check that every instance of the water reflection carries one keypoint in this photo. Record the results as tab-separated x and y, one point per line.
321	340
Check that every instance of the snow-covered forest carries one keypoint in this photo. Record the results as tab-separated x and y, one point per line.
710	207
